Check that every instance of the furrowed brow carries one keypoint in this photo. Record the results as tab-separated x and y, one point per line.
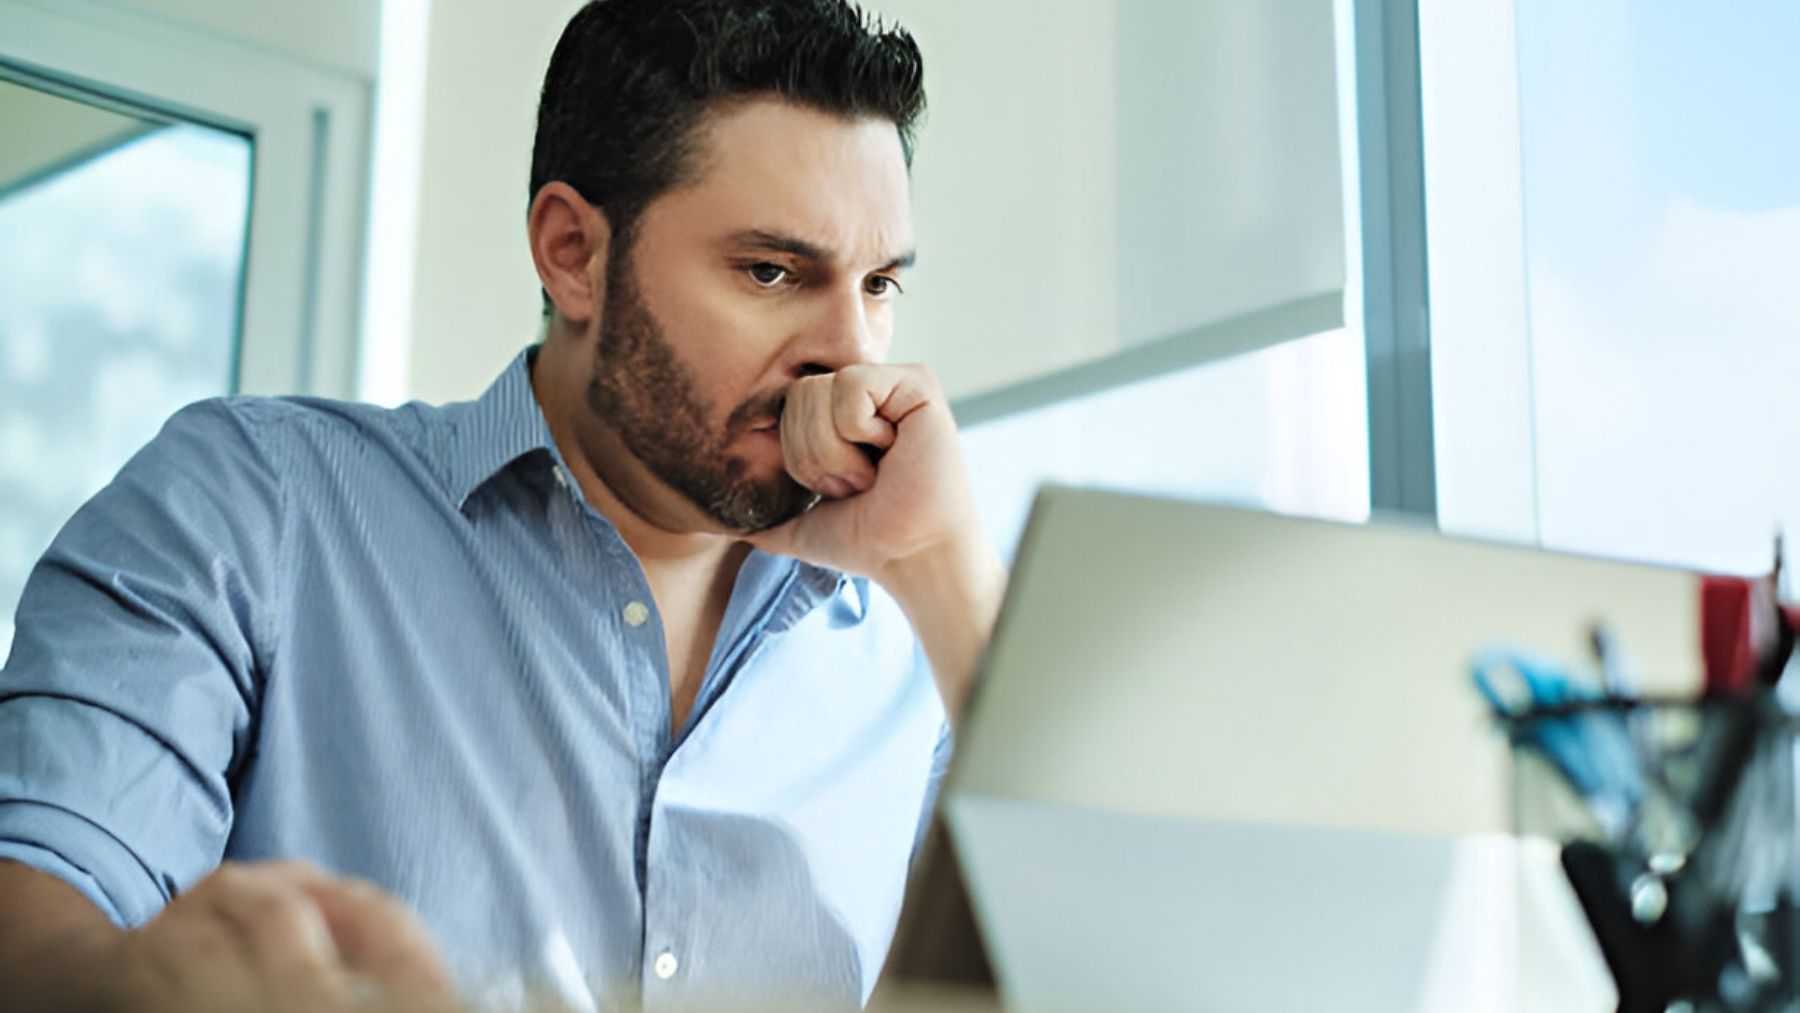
903	261
775	242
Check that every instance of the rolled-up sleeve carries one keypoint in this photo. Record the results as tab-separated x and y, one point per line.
128	700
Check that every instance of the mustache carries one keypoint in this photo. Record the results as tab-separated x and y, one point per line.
755	409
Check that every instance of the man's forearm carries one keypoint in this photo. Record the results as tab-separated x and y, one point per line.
55	946
952	598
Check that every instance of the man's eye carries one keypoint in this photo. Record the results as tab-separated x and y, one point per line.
767	275
881	285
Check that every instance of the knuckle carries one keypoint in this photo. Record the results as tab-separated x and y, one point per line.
383	905
280	910
228	877
359	892
208	944
850	418
293	867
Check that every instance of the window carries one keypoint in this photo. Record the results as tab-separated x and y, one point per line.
1626	173
1662	220
121	266
139	267
1282	428
1231	276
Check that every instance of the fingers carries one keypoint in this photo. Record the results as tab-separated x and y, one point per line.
312	937
276	924
831	419
817	455
379	938
895	392
188	957
856	414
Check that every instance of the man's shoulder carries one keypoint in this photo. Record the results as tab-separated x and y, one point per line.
297	414
300	442
281	426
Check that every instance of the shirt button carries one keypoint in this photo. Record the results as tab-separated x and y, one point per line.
636	614
562	477
666	965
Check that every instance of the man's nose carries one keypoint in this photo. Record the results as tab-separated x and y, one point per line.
840	336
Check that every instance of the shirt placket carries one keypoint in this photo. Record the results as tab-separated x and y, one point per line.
669	964
632	630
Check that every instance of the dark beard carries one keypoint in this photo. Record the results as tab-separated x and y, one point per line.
650	400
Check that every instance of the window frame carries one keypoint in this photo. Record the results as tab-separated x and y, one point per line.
309	127
1483	417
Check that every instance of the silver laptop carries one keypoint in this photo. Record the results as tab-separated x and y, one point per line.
1228	760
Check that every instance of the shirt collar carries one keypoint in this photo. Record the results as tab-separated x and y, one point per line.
493	431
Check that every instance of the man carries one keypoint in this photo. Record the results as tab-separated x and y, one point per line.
579	673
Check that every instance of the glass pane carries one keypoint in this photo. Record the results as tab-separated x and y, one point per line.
121	266
1659	145
1284	428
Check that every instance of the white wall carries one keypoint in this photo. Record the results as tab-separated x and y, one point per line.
1099	175
341	35
474	300
1230	195
1013	189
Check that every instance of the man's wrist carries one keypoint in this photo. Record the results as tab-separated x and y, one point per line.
951	593
75	968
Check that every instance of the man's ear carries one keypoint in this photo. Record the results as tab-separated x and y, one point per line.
569	239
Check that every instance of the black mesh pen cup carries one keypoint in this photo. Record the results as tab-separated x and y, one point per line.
1676	826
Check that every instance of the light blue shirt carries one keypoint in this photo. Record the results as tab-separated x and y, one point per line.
400	644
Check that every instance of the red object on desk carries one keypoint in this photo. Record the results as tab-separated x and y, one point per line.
1725	641
1734	637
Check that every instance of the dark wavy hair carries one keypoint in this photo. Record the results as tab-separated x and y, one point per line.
631	82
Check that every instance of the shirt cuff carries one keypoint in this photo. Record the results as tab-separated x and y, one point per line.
74	850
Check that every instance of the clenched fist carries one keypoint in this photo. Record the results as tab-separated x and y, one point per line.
879	445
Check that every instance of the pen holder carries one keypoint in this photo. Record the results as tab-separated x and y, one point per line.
1676	821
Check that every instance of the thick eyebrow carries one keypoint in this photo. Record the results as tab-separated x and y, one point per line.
775	242
904	260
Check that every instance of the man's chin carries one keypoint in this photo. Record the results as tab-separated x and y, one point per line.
749	507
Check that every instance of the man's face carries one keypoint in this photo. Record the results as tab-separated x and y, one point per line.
779	262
